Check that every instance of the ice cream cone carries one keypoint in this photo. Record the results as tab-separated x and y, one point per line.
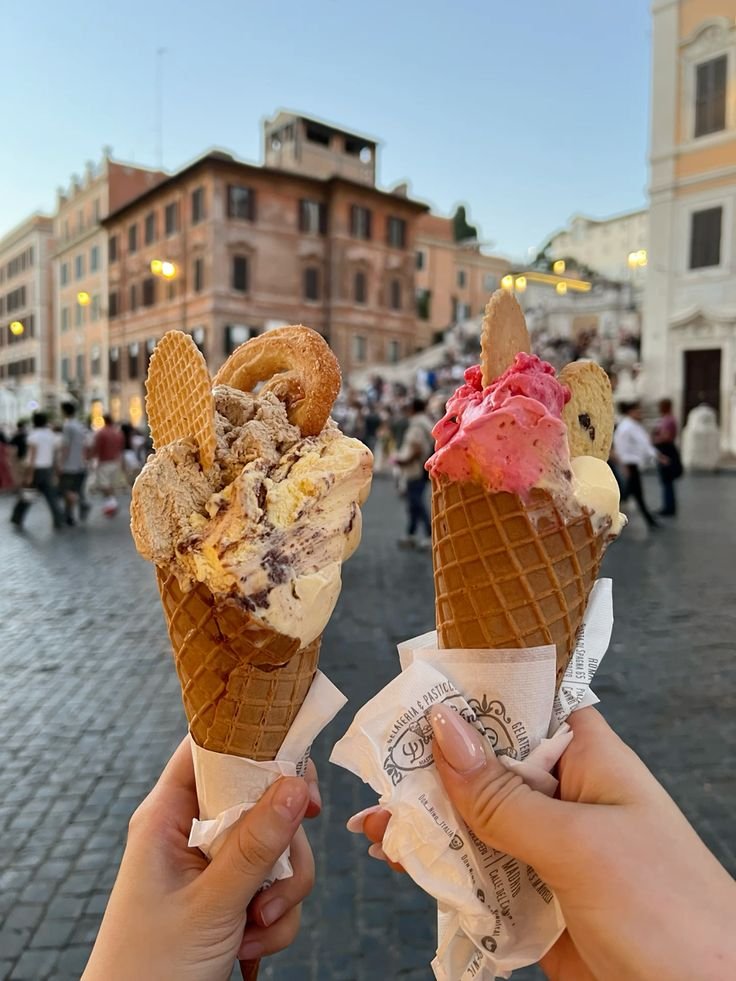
242	683
510	574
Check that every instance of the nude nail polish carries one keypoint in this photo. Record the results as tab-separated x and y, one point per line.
461	744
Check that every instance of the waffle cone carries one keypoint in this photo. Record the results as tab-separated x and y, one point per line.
510	574
242	683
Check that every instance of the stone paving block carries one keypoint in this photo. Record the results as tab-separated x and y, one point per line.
13	942
34	965
24	915
53	933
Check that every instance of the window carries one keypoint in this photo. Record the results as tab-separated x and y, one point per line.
95	363
461	278
112	248
113	368
360	347
171	218
96	211
171	289
394	351
113	304
149	291
710	96
79	266
420	259
133	297
150	228
80	367
199	335
318	134
424	302
312	217
132	239
705	238
198	275
395	295
240	273
360	290
241	202
311	283
360	222
489	282
148	350
64	273
65	373
64	319
80	220
133	360
396	233
198	205
94	258
95	308
235	335
78	315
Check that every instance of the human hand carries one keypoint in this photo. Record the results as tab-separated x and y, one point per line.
172	914
641	895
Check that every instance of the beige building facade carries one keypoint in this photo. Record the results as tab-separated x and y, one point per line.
453	279
224	250
614	247
80	277
689	336
26	326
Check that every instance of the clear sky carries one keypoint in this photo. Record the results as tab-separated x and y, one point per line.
525	111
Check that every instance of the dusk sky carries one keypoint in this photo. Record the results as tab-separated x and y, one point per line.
526	112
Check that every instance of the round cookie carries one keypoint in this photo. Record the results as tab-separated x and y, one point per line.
589	413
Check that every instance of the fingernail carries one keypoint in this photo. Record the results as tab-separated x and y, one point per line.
273	911
357	821
314	794
251	951
290	798
375	851
461	744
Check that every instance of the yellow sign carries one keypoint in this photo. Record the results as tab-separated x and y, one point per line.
17	328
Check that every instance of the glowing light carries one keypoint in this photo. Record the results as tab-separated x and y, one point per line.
96	420
561	288
507	283
168	270
16	328
83	298
156	265
642	257
135	410
520	283
559	267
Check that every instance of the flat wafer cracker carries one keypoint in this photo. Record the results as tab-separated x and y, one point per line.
179	401
589	413
504	335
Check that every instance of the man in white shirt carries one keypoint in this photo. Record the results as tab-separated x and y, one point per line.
633	450
43	444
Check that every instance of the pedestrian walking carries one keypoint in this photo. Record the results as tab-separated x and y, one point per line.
43	445
634	451
669	465
73	464
19	442
108	451
6	475
416	448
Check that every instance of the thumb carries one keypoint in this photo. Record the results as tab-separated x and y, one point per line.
496	804
253	845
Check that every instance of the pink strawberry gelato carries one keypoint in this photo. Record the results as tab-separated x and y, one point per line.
508	436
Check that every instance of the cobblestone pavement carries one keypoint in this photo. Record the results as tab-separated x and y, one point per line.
91	710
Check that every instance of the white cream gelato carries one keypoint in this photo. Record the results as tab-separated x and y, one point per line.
596	490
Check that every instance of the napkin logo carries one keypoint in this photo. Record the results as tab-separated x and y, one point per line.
489	944
411	750
496	723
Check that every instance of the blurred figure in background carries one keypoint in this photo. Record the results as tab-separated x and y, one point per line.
73	464
131	460
108	451
669	465
634	451
6	475
416	448
43	444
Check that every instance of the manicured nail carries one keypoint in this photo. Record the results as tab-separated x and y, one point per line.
461	744
290	798
357	821
375	851
251	951
314	794
273	911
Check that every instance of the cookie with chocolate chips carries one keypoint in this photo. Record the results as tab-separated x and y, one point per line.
589	413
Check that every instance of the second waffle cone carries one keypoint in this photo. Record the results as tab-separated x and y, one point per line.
509	574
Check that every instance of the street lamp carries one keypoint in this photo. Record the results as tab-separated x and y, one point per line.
561	288
83	298
17	328
507	283
638	259
559	267
520	284
164	268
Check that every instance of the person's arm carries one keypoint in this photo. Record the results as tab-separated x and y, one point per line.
641	895
411	448
30	460
171	914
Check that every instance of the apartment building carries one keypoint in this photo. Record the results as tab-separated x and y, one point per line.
225	250
26	331
689	336
453	279
80	276
614	247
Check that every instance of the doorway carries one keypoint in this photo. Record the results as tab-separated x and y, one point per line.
702	380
